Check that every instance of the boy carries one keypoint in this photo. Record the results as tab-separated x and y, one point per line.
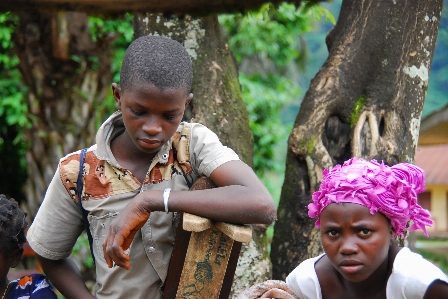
136	175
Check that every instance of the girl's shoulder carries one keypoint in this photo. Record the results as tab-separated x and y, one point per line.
34	286
303	279
411	275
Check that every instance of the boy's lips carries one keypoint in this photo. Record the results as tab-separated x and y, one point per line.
149	143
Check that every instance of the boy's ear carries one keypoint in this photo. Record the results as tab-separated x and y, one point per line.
189	98
116	91
14	258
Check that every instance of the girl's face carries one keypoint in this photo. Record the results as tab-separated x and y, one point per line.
7	261
151	115
356	242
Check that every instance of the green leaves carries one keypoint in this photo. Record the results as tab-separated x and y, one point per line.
270	37
272	32
269	41
13	107
121	30
265	96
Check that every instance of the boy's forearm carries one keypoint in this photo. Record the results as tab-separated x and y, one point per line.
240	198
234	208
66	277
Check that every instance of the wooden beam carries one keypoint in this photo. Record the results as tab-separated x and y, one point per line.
434	128
116	7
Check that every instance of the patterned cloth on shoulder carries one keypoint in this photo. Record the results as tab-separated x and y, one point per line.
34	286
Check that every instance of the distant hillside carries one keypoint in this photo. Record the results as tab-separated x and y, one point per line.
437	95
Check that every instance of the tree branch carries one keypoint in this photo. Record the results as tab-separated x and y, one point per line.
116	7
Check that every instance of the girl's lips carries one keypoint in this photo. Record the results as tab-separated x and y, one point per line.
349	269
350	266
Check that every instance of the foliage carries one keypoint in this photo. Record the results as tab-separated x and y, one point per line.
267	91
82	250
356	112
436	97
12	91
122	31
440	259
264	97
277	31
13	113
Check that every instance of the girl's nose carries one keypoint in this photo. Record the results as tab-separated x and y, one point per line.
349	246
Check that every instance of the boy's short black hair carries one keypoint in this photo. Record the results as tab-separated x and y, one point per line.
158	60
12	225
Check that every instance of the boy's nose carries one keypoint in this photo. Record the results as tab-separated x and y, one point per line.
152	126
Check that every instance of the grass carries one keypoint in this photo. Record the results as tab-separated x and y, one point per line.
439	259
434	250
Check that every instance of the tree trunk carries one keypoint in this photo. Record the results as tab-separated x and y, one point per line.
61	68
366	101
218	104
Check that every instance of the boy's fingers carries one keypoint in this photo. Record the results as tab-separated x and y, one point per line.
109	261
113	251
108	252
128	240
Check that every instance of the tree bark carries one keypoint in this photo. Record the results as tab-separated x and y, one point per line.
218	104
61	68
366	101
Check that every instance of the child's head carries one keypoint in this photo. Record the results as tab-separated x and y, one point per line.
12	230
355	242
160	61
156	78
392	191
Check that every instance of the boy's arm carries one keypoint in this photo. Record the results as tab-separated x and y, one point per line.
239	198
65	276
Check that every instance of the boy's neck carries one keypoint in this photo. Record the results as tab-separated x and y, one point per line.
130	157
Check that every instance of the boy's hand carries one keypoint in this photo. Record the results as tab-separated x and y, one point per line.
121	233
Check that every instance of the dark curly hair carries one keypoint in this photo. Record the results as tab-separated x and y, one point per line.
12	225
158	60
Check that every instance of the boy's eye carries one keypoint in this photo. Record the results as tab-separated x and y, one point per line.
138	113
171	117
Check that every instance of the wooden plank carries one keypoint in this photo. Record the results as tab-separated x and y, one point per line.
193	223
176	262
205	265
205	257
240	233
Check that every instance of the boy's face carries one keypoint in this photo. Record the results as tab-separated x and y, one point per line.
356	242
151	115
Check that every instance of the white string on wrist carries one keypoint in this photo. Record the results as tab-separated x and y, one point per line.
166	195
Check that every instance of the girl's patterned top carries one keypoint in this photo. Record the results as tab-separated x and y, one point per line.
34	286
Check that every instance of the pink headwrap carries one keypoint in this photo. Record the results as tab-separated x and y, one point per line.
391	191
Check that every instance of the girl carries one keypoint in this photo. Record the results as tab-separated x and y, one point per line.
360	207
12	237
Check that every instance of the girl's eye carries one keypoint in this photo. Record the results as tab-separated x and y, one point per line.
332	233
365	232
